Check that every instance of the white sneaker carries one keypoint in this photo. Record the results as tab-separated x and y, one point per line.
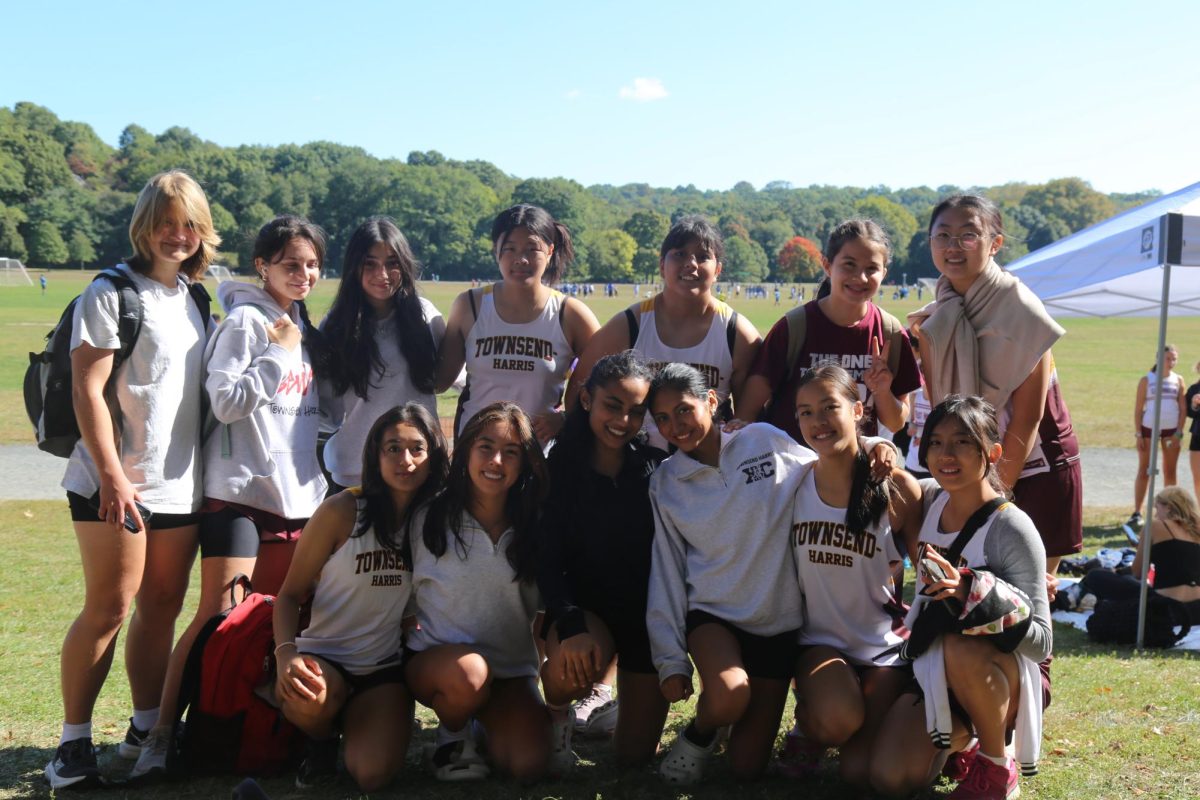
562	758
684	763
596	714
459	761
153	757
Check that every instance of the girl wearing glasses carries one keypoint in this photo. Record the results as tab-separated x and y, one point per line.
685	322
519	337
987	335
387	336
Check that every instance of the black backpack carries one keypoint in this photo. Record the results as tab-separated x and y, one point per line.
48	400
1116	621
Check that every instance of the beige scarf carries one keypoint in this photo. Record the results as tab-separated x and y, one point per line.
984	343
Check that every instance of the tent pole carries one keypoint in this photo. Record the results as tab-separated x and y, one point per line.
1152	470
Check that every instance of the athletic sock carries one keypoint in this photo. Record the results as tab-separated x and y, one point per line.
72	732
999	761
697	738
145	718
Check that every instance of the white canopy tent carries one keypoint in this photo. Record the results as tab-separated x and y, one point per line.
1127	266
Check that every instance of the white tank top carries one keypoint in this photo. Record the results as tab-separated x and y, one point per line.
973	555
711	356
851	602
358	604
1169	415
524	364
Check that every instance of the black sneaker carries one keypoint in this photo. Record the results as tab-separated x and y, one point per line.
73	766
320	765
131	748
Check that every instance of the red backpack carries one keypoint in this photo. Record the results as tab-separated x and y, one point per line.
229	727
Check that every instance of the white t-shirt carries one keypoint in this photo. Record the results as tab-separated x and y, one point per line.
155	397
354	416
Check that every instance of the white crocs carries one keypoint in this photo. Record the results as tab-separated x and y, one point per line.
684	763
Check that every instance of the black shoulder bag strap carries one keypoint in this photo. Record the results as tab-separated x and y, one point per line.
974	523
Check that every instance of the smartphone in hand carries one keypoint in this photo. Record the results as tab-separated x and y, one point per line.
130	523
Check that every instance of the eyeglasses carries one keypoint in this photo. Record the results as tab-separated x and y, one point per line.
967	241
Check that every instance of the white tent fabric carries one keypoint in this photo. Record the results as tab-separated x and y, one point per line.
1114	268
1128	265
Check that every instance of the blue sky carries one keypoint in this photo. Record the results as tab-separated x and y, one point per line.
672	93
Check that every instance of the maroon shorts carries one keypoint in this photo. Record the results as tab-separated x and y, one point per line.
1054	501
1163	433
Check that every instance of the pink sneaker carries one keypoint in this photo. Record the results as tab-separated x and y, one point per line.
800	758
988	781
959	764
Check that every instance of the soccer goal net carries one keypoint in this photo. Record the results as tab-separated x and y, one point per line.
218	273
13	273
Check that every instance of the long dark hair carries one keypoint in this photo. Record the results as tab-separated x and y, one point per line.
350	324
271	240
521	506
380	512
540	223
868	497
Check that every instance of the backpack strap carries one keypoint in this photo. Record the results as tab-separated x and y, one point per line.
974	523
632	320
731	332
893	330
129	312
474	309
797	329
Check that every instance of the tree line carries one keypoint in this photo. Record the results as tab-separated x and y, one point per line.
66	197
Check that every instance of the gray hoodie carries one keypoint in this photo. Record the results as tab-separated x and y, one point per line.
264	455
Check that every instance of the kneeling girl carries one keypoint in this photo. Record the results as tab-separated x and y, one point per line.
849	535
355	558
473	655
988	689
594	538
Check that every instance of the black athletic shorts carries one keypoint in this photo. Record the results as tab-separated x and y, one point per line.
772	657
82	510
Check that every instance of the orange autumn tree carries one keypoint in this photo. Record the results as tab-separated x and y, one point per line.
800	260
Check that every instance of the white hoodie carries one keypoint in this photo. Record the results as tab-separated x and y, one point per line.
264	455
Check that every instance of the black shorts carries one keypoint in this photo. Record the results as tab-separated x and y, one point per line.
629	636
859	669
82	510
772	657
393	673
1194	445
230	530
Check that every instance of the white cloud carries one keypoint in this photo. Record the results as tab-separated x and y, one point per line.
643	90
573	94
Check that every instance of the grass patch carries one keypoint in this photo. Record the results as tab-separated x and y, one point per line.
1121	725
1099	360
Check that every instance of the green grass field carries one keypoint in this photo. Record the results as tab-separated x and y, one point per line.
1121	725
1099	360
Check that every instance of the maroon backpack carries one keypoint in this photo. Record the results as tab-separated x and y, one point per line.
229	728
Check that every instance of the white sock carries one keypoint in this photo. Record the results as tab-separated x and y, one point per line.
145	718
72	732
999	761
446	736
603	687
